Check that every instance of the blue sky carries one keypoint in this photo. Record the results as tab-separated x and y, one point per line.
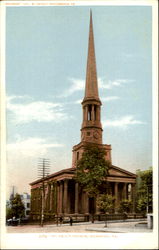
46	54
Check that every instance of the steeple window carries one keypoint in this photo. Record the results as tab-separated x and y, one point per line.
95	112
89	112
92	112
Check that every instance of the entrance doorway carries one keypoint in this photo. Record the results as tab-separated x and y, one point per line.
91	205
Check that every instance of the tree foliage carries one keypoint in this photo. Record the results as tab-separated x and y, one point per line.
92	169
125	206
105	202
9	213
142	205
17	207
144	191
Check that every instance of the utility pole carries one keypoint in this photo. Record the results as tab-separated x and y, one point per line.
43	171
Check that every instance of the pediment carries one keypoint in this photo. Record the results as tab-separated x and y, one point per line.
116	171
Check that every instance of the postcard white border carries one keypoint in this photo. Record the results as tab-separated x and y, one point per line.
76	241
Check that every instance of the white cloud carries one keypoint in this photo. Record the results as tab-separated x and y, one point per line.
123	122
39	111
104	84
78	101
30	147
79	84
109	98
23	157
12	97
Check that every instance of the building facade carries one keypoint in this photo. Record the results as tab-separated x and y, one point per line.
25	197
63	195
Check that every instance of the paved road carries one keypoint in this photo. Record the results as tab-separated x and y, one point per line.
97	227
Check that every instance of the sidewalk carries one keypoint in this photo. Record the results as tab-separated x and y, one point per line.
86	227
123	227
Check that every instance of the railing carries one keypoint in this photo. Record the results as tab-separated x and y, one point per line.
54	219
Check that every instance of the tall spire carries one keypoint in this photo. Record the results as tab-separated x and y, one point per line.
91	89
91	130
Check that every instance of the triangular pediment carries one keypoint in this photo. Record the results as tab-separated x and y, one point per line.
116	171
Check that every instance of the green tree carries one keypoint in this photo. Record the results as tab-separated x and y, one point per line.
144	191
17	206
9	213
142	205
125	206
105	202
92	169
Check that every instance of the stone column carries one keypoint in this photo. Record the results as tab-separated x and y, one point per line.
93	115
58	197
55	195
51	198
116	196
65	198
98	113
76	197
133	196
86	112
61	197
124	195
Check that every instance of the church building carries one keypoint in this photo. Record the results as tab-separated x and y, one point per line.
63	195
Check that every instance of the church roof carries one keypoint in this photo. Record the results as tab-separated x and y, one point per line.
58	173
114	171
